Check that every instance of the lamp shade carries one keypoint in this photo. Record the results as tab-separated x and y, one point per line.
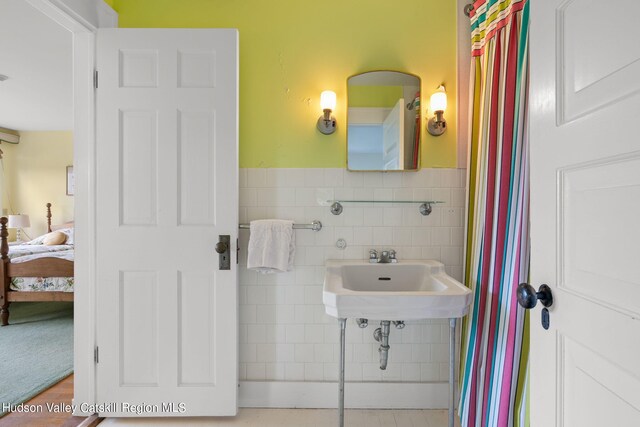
439	100
19	221
328	100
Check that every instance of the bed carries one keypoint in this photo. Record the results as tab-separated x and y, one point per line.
33	271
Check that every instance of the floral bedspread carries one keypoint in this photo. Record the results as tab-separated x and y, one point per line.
39	284
23	253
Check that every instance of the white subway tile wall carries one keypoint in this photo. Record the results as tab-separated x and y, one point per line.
285	334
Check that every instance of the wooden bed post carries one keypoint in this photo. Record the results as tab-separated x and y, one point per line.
48	217
4	272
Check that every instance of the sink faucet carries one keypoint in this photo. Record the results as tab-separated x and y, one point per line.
386	257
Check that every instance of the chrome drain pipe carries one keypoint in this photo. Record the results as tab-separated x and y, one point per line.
381	335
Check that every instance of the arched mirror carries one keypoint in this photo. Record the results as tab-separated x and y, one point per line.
383	121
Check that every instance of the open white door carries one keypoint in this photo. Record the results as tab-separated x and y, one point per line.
167	187
585	204
393	138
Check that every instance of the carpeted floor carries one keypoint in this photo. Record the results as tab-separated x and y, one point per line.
36	349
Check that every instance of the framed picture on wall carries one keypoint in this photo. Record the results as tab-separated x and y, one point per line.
70	181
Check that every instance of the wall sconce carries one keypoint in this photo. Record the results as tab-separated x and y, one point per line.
326	122
437	124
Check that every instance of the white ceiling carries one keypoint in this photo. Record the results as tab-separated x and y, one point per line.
36	55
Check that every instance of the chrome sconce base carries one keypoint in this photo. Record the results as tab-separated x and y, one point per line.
436	126
326	123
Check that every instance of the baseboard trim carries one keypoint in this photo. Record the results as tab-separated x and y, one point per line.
90	421
284	394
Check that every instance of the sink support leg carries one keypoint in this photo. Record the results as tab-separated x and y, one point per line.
343	327
452	369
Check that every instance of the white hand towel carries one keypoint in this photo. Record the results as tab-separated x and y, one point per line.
271	246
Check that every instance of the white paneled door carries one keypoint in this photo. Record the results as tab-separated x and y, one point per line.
393	138
167	187
585	204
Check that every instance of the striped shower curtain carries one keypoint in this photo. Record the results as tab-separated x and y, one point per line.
494	338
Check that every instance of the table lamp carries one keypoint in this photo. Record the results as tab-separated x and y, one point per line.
19	222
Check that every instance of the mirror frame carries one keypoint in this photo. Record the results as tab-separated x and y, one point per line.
346	146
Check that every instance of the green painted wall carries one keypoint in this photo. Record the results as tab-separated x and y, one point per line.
374	96
291	50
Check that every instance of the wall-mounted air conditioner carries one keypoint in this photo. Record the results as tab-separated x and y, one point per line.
10	136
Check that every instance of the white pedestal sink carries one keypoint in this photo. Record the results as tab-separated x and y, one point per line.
407	290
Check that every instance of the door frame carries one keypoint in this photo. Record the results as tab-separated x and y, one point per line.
82	20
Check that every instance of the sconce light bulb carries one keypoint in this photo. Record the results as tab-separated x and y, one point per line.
439	100
328	100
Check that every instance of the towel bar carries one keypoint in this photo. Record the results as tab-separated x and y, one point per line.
315	226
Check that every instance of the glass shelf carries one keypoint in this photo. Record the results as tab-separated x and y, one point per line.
425	205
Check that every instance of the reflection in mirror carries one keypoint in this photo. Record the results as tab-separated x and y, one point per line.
383	121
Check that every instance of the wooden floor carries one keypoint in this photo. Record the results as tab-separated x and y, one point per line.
248	417
59	393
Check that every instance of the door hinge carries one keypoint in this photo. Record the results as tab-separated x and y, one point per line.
96	354
95	79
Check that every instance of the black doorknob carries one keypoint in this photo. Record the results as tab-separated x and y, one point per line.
528	297
221	247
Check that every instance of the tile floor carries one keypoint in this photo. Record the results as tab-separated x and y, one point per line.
250	417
